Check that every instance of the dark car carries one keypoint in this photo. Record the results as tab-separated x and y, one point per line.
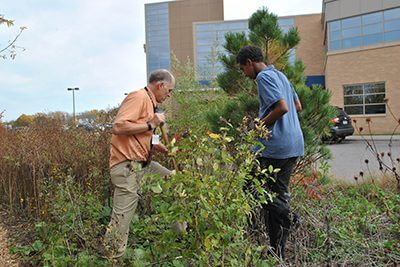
342	126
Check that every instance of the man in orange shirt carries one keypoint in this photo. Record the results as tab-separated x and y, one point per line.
132	142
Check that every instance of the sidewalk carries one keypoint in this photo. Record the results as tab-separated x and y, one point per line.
374	137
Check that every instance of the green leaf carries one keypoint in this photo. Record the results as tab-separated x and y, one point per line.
199	161
215	166
271	169
139	253
156	188
177	263
37	245
277	170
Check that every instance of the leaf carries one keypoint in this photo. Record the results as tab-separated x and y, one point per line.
277	170
173	141
215	166
271	169
176	263
214	136
199	161
228	139
37	245
207	242
156	188
139	253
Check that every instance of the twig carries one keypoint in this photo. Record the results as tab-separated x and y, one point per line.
13	41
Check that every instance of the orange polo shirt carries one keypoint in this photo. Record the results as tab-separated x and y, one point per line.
137	107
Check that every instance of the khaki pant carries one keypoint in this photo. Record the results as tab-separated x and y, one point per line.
126	177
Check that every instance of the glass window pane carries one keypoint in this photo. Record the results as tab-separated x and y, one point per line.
335	45
286	22
352	42
202	48
292	56
162	17
372	18
392	36
221	35
153	65
374	88
372	99
352	32
372	28
392	13
373	39
334	25
375	109
205	27
203	42
164	64
392	25
221	27
353	90
351	22
206	35
354	110
336	35
352	100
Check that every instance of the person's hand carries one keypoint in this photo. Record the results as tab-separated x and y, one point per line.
160	148
158	119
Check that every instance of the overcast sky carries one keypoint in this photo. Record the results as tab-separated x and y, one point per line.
94	45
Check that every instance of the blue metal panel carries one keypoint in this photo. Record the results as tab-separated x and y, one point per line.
315	80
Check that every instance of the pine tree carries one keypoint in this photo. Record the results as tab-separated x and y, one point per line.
264	32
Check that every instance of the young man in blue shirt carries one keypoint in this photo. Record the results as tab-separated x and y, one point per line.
278	109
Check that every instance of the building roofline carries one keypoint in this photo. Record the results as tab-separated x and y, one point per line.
219	21
161	2
240	20
300	15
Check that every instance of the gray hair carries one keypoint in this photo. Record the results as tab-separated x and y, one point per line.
161	75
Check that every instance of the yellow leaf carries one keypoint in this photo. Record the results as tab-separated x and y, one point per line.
214	136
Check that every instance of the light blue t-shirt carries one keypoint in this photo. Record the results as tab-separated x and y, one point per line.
287	138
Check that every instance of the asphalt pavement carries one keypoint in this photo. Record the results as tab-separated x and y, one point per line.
354	155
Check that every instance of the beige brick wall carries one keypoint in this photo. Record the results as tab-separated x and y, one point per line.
181	16
311	49
372	65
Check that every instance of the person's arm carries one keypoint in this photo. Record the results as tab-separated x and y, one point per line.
128	122
280	109
127	127
297	104
296	100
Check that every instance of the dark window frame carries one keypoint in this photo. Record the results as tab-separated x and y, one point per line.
364	86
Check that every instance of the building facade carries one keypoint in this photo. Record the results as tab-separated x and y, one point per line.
169	29
362	39
352	48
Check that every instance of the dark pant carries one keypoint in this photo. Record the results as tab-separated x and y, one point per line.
276	214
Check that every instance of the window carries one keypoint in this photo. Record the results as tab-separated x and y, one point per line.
370	29
157	36
365	99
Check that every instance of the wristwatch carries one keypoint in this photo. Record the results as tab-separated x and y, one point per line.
149	127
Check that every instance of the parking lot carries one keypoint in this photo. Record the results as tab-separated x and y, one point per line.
348	157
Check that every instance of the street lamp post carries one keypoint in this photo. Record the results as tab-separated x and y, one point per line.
73	99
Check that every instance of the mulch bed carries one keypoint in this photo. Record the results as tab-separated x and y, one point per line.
15	230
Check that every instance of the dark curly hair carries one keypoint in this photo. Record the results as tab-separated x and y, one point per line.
253	53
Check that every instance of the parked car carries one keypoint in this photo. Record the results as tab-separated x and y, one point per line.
342	127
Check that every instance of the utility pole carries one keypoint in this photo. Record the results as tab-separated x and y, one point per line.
73	100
